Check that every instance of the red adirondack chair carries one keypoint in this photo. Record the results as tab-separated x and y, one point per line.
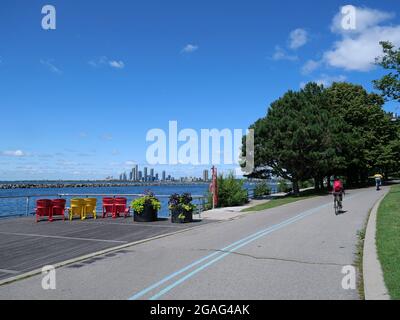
120	207
58	208
108	207
44	209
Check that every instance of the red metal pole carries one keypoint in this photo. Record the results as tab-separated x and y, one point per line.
214	186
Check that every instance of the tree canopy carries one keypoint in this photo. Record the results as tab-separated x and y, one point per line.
317	132
390	83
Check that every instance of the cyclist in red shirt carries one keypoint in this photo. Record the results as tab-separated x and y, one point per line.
338	191
338	186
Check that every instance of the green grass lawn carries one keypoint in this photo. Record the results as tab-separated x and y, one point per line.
281	201
388	240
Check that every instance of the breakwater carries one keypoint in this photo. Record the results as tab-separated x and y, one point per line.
61	185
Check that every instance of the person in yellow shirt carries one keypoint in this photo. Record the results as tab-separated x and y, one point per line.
378	181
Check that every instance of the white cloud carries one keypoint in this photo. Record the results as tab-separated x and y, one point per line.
365	18
358	49
310	66
130	163
98	62
298	38
49	64
104	61
281	54
85	154
106	137
117	64
189	48
14	153
358	53
326	80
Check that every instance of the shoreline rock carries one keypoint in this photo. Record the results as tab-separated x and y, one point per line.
49	185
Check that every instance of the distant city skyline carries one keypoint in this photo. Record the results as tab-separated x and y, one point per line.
137	175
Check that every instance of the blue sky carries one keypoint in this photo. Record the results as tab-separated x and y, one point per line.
77	102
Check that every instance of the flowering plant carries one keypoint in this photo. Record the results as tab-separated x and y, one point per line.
148	199
174	201
183	201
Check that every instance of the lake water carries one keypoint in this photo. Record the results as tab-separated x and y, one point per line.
11	206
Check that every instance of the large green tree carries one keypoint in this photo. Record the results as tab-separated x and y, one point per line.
327	156
368	131
295	139
389	84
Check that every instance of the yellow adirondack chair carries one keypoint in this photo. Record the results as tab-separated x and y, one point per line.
77	209
90	208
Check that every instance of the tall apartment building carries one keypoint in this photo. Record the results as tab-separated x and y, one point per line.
136	176
205	175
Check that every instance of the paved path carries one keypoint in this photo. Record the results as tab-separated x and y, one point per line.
295	251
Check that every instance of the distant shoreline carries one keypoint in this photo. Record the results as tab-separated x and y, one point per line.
88	184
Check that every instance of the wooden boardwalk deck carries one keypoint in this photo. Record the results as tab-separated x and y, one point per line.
26	245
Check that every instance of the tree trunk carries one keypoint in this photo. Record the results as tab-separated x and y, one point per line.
328	183
321	183
296	189
317	184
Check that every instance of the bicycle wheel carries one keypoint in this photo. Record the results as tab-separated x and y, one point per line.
336	206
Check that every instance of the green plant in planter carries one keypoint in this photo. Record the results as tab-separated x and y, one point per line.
181	205
148	199
181	216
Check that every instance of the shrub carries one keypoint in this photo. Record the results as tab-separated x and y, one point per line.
231	192
262	189
306	184
283	186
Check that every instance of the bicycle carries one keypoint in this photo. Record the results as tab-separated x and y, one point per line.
337	202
